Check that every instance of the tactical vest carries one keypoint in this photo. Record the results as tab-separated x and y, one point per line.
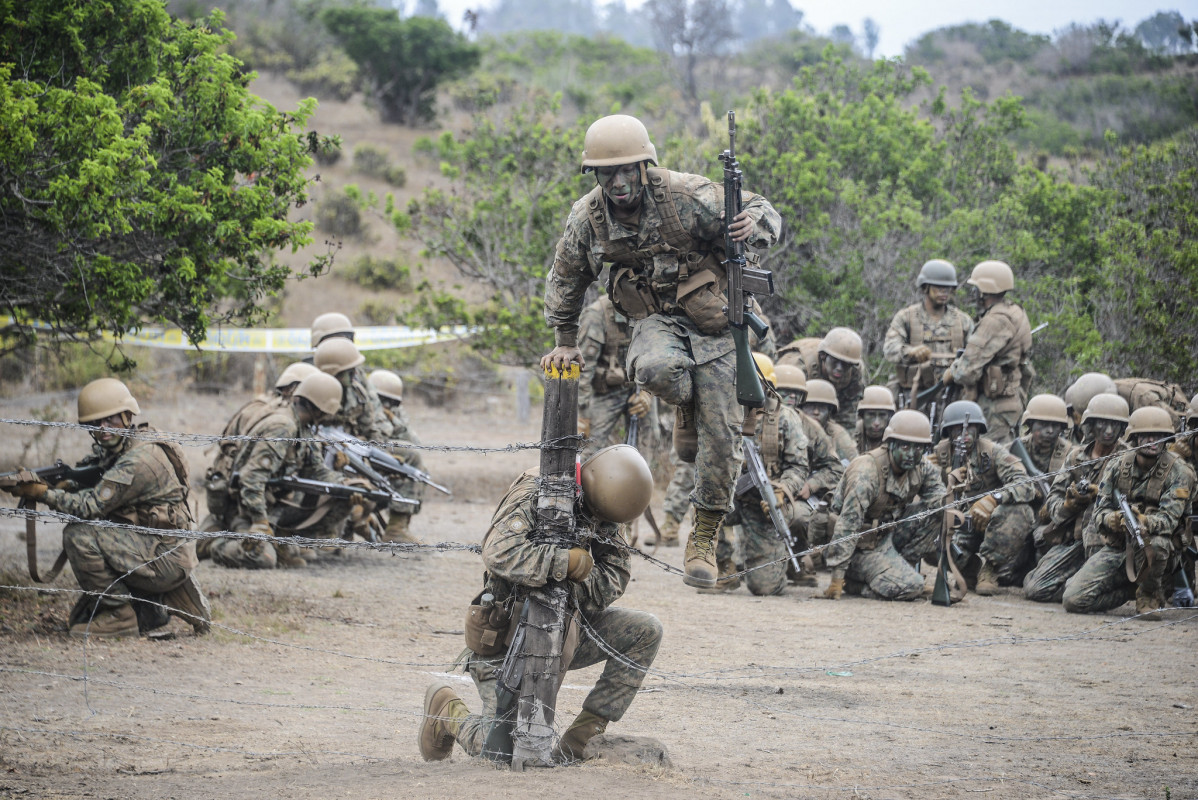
609	369
943	350
885	507
1056	459
241	423
771	446
1150	495
985	478
1003	375
167	515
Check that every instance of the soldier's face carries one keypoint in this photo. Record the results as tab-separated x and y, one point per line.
967	435
1044	433
1106	431
905	455
792	398
874	423
107	437
621	185
1149	445
939	295
820	412
836	371
345	377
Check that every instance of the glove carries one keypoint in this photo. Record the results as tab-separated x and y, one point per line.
33	490
959	476
580	563
947	377
1076	501
638	404
1182	597
340	460
1113	521
835	589
584	427
920	354
67	486
981	511
779	500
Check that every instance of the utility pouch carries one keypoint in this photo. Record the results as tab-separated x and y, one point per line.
488	627
700	297
216	487
993	382
631	294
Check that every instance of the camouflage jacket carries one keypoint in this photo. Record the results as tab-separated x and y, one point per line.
1051	458
603	337
992	467
804	353
580	254
361	411
995	353
871	493
399	427
843	442
259	461
784	447
1064	525
826	467
240	424
1162	493
914	326
511	560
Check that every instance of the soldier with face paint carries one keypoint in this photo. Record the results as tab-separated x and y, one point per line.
873	415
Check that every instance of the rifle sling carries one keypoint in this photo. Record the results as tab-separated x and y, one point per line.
31	546
1129	558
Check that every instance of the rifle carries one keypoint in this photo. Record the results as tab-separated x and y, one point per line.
634	424
1034	472
758	479
743	282
950	550
313	487
366	458
1135	537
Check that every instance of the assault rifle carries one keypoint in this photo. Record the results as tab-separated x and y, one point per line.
295	483
1034	472
755	477
634	431
1130	520
950	551
83	477
743	282
371	462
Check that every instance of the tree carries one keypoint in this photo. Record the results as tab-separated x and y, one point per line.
140	181
869	36
401	60
761	19
1163	31
690	29
843	34
428	8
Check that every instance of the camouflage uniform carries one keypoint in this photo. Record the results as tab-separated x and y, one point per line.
256	463
784	448
884	565
398	430
995	365
1144	392
1046	459
914	326
1005	542
1061	537
677	229
513	561
810	527
677	499
216	480
361	411
604	388
1162	494
804	353
844	443
144	484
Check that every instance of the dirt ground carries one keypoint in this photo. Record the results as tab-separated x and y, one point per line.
310	685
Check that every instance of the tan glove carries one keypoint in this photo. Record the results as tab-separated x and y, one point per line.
1076	501
779	500
580	564
1113	521
835	589
638	404
981	511
920	354
584	427
32	490
340	460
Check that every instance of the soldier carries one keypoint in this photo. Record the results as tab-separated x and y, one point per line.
836	359
1144	392
923	339
144	484
995	364
606	398
1186	448
272	453
1045	423
389	388
1078	397
361	412
328	326
1002	519
1070	504
616	488
882	486
676	502
873	415
822	406
662	233
1157	485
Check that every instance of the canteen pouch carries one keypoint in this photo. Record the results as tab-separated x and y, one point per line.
488	627
700	297
631	294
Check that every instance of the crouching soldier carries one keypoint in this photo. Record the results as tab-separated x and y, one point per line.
881	487
616	489
131	579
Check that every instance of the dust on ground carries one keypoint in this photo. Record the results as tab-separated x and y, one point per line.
311	684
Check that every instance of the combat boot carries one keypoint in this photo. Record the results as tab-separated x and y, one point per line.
187	602
728	581
699	559
443	715
108	623
398	530
987	583
585	727
807	576
1148	605
289	556
686	433
669	533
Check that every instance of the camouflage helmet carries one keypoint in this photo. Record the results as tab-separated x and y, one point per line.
104	397
617	139
842	343
322	391
909	426
822	392
1107	406
387	384
765	365
876	398
617	484
1046	408
337	355
992	277
956	413
331	324
937	272
1083	390
294	373
1150	419
1192	411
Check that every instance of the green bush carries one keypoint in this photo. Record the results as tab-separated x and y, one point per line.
370	160
379	273
375	312
340	215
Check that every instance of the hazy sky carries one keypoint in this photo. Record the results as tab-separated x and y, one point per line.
903	20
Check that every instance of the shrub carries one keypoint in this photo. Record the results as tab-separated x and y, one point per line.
370	160
340	215
379	273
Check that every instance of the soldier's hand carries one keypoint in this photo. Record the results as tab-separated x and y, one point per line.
560	356
67	486
947	377
1113	521
981	511
805	492
742	226
340	460
34	490
584	427
835	589
920	354
579	564
638	404
1076	501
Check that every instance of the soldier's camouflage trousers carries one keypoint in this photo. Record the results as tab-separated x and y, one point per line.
413	490
660	359
254	554
636	635
764	553
883	573
1002	417
1101	584
1046	583
122	562
678	493
1005	544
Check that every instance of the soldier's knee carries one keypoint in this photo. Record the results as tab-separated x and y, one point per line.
764	585
1075	601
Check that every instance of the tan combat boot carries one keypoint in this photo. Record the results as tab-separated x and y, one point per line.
728	581
289	556
669	533
686	433
1148	605
987	583
699	559
585	727
807	576
187	602
398	530
443	715
108	623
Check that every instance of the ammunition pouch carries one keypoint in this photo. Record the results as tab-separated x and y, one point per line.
489	629
216	487
631	293
997	382
702	298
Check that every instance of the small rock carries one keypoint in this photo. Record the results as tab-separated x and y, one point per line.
632	750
